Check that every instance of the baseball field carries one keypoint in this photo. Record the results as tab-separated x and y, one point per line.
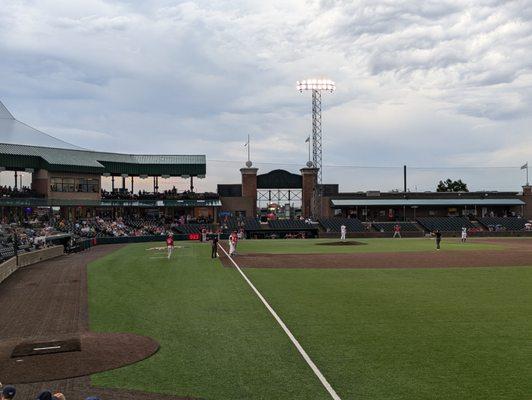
380	319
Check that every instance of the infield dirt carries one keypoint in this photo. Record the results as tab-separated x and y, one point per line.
515	254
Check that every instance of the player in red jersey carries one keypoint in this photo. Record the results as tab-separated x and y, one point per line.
397	231
170	244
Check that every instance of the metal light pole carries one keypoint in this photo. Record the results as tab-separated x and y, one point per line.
316	86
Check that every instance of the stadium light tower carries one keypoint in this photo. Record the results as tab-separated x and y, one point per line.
316	86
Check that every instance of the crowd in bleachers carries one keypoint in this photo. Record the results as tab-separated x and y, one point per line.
99	227
172	194
23	238
12	192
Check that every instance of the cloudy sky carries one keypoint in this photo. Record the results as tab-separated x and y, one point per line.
437	85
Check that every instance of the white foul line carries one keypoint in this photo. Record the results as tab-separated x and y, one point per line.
303	353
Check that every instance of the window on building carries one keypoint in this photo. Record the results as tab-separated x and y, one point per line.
81	185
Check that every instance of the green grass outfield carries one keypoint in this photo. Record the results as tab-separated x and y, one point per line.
375	334
307	246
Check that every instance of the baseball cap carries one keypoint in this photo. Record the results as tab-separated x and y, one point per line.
9	392
46	395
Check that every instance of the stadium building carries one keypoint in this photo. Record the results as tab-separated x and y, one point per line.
68	178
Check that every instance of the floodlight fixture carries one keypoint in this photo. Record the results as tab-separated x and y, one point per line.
316	84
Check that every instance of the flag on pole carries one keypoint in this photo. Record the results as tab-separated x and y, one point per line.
524	166
307	140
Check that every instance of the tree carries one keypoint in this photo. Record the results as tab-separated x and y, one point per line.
452	186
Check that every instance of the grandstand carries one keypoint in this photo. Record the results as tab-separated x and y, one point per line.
445	224
389	226
503	223
195	228
334	224
70	177
235	224
291	225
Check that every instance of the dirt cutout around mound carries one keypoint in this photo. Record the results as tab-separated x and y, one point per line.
47	303
99	352
517	253
341	243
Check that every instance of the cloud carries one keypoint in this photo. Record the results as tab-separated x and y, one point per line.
419	82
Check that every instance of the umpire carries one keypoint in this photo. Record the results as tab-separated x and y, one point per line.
214	251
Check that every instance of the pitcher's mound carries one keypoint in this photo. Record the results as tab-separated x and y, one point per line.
61	357
340	243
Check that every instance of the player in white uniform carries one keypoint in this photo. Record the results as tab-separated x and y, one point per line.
343	231
233	240
464	235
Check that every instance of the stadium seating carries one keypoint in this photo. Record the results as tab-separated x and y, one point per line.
234	224
334	224
289	224
194	228
445	224
6	253
389	226
503	223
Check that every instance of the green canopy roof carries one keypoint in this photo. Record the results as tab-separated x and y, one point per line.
16	156
23	147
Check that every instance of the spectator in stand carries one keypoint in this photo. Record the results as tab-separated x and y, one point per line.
8	393
46	395
59	396
7	191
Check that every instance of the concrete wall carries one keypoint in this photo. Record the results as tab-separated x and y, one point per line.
25	259
7	268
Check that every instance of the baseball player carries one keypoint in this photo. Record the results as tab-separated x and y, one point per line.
170	244
233	240
343	231
437	234
464	235
397	231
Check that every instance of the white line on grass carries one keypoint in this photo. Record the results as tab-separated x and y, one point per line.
299	348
